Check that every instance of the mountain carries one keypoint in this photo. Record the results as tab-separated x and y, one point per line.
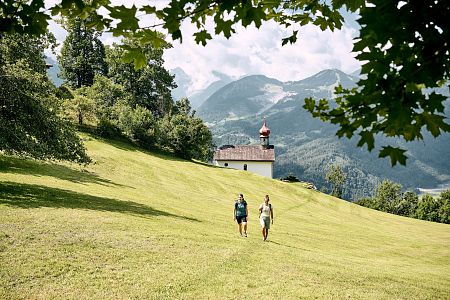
307	147
246	96
142	225
53	71
183	82
198	97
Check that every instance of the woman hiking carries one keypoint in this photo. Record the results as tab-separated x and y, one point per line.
241	214
265	216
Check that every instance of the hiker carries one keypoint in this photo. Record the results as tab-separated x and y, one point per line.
241	214
265	216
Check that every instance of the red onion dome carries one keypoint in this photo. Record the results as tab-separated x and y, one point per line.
264	131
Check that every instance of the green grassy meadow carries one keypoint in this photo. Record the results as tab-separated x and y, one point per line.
140	225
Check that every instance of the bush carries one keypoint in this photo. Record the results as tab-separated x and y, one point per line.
186	136
137	124
107	129
291	178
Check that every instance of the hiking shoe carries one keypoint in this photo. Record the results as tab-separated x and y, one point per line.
245	234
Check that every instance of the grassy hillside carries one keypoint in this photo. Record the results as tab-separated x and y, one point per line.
141	225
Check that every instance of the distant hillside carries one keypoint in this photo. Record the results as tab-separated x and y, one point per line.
246	96
306	146
142	225
198	97
54	71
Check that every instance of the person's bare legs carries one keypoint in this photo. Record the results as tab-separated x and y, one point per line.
245	229
240	228
267	234
264	233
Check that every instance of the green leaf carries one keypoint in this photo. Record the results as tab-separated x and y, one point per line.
292	39
359	45
177	35
309	105
366	138
396	155
152	37
148	9
434	123
128	22
248	14
135	55
224	26
201	37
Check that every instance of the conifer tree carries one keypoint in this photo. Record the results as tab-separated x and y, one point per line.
82	54
149	86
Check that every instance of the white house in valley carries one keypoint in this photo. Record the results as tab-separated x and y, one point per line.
253	158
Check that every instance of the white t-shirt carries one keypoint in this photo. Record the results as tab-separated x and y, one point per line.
265	210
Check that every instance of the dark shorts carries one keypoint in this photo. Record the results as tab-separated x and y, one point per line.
241	219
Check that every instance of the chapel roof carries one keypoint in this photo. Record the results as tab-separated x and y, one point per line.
245	153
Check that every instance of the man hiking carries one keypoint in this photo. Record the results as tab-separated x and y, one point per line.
241	214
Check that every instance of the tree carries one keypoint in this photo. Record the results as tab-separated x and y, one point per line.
30	124
427	209
183	107
406	56
137	123
388	195
444	207
408	205
184	134
336	177
149	86
83	107
105	92
82	54
388	199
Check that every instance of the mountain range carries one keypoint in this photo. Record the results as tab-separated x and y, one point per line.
196	97
307	147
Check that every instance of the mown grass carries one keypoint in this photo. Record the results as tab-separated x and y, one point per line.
137	225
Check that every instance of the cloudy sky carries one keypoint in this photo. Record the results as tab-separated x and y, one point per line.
256	51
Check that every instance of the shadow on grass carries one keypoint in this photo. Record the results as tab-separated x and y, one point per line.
35	196
289	246
17	165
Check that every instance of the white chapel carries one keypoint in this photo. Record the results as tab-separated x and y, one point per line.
258	159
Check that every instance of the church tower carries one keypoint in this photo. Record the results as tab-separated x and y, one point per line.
258	159
264	133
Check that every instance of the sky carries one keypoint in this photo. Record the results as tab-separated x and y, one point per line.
253	51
